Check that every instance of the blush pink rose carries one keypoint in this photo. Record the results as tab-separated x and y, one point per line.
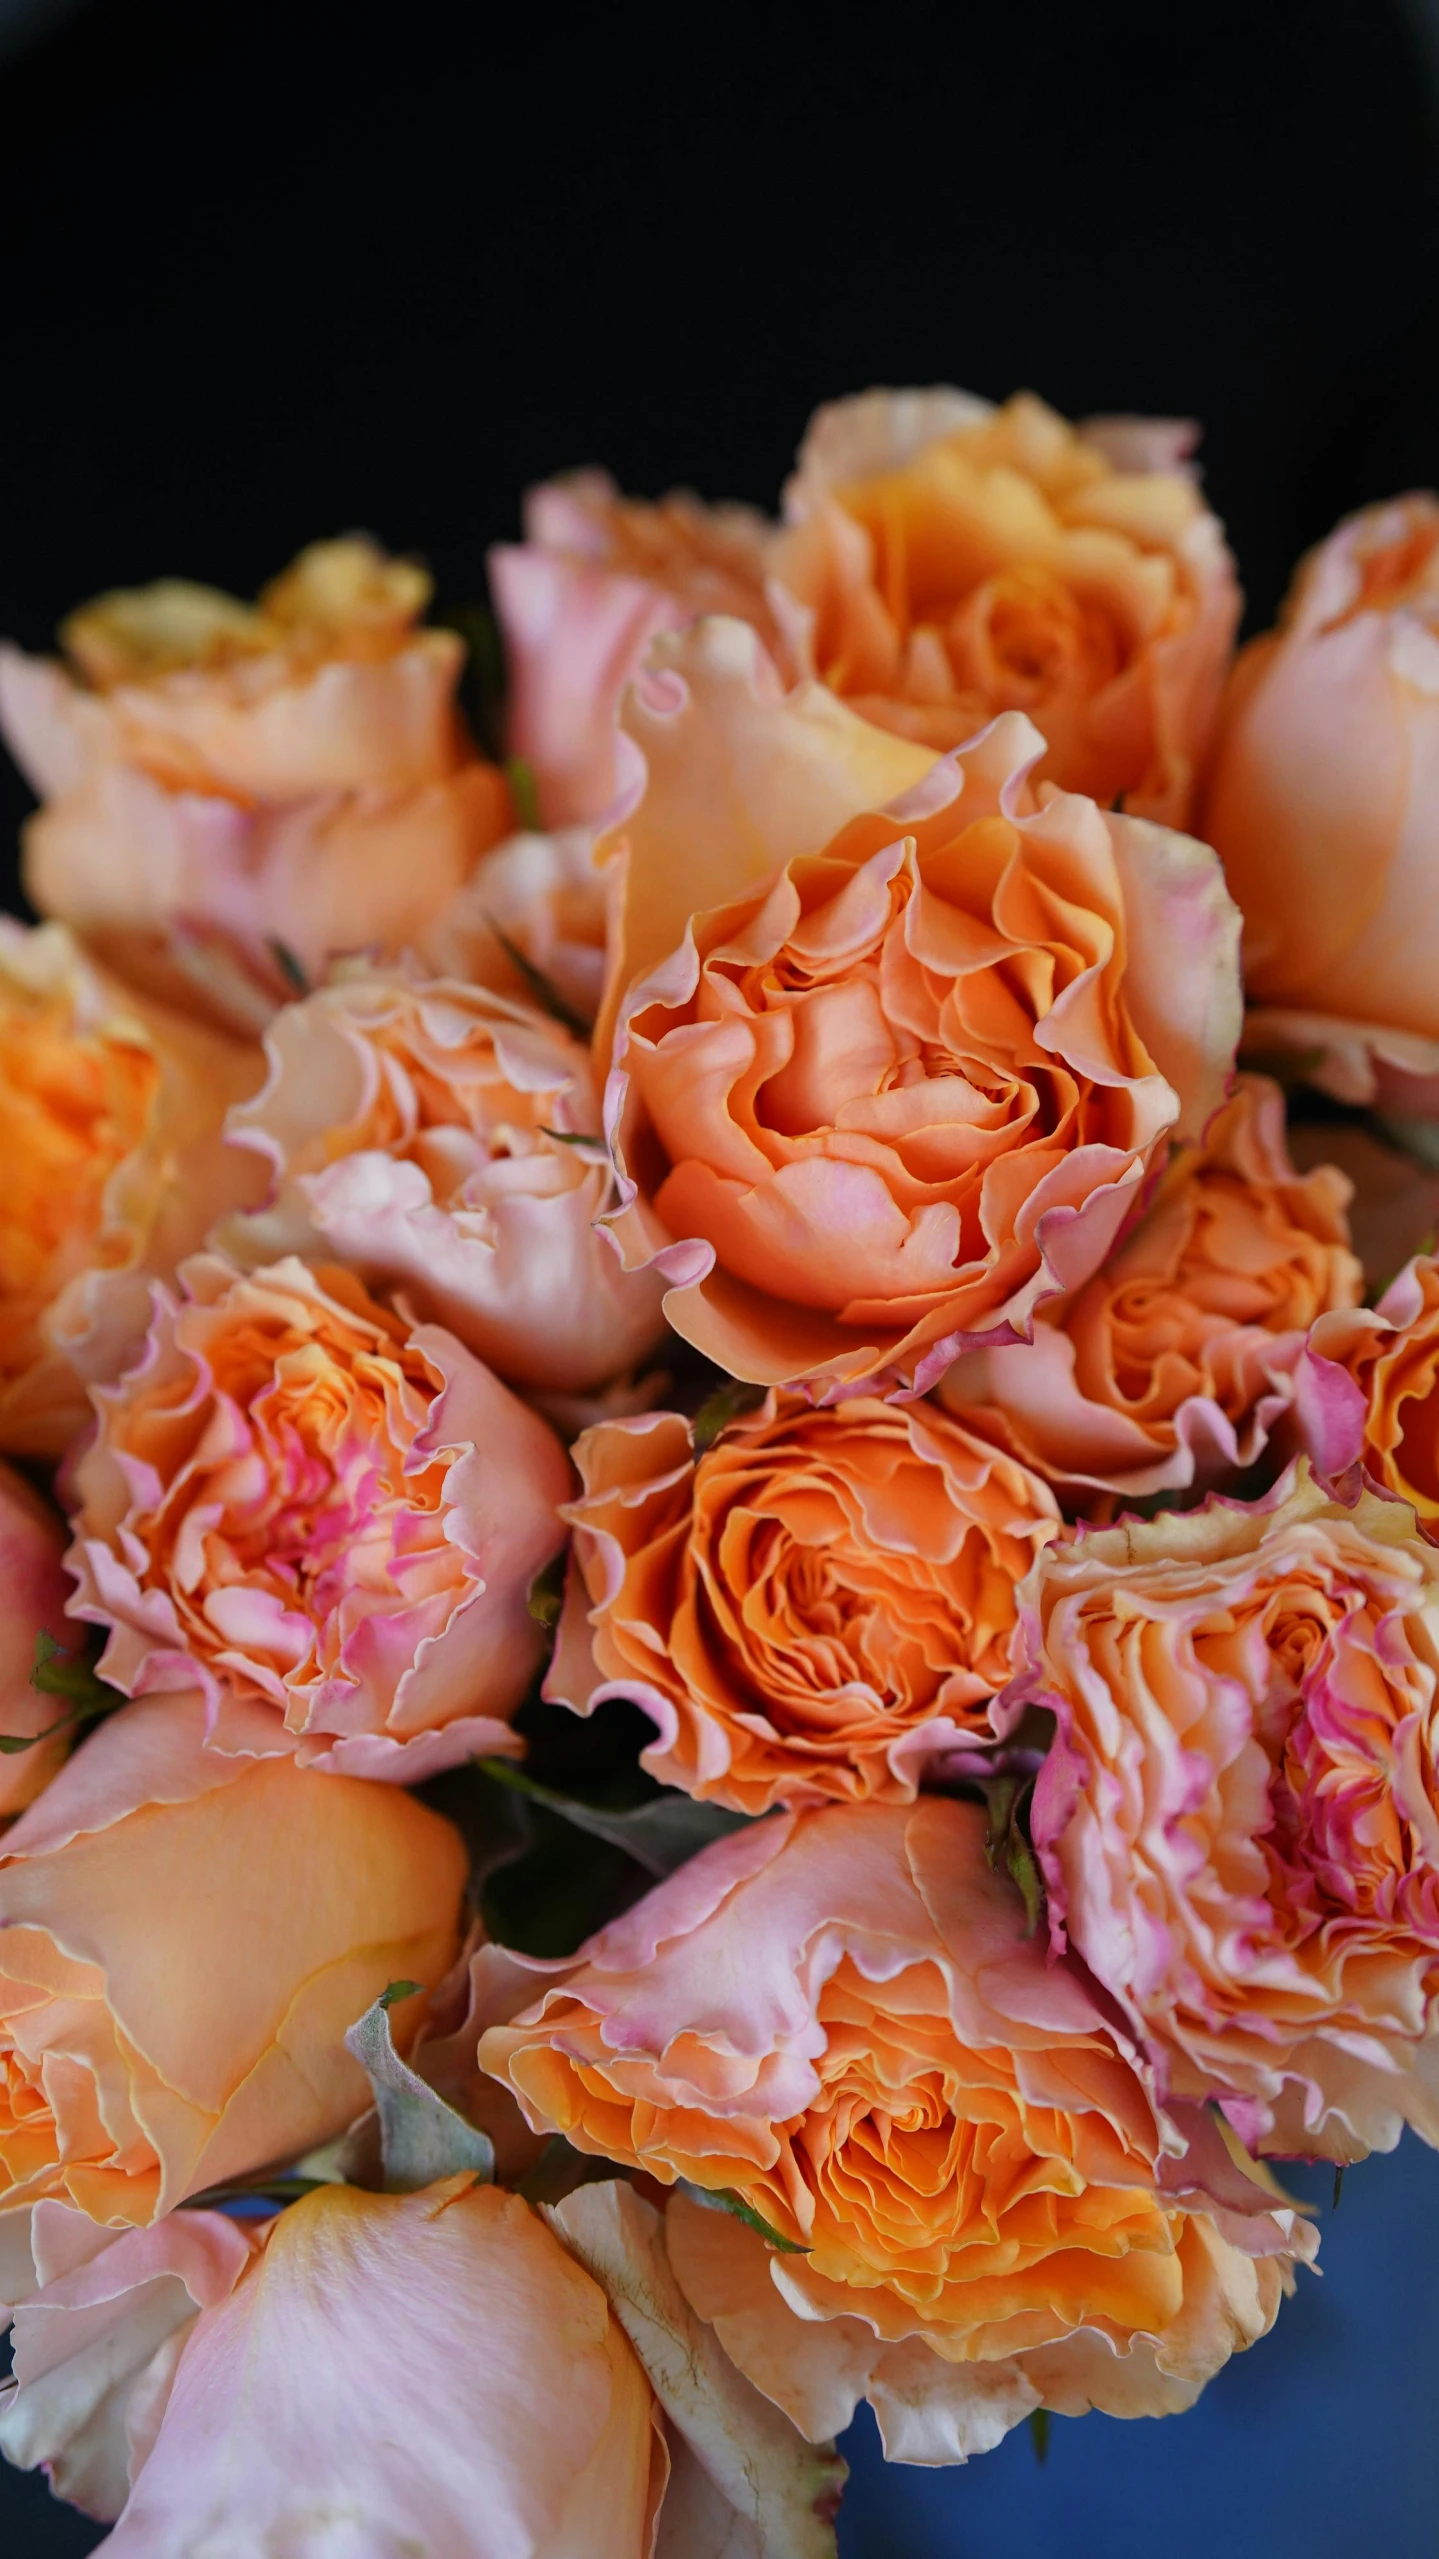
889	1070
547	2389
443	1139
838	2019
299	1501
941	560
1321	801
218	778
99	2321
810	1608
1239	1820
595	579
1175	1365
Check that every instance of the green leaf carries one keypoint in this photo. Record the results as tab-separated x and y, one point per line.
1039	2434
725	2199
546	994
1019	1861
521	779
395	1991
659	1835
1005	1840
291	969
58	1673
547	1592
422	2139
582	1137
560	2169
723	1407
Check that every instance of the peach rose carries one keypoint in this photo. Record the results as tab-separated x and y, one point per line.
184	1939
1239	1820
836	2017
1175	1364
808	1609
443	1139
99	2320
904	1071
942	560
1321	798
1374	1377
299	1502
33	1579
453	2310
458	2309
220	778
110	1117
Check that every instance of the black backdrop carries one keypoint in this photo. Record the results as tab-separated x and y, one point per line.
273	268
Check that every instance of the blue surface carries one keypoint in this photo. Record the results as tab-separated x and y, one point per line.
1320	2443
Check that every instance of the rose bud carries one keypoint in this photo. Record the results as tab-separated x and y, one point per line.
1321	804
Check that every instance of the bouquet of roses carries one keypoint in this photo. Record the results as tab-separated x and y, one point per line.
720	1627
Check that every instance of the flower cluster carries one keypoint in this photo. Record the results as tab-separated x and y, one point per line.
719	1657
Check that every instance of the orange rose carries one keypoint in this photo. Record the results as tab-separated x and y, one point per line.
1175	1364
889	1070
948	560
1321	800
298	1500
806	1610
1387	1357
837	2018
220	778
184	1940
942	560
111	1113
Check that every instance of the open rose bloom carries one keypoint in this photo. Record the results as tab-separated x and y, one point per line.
437	1137
298	1501
838	2018
1175	1365
220	778
1239	1821
940	560
111	1112
809	1609
912	1075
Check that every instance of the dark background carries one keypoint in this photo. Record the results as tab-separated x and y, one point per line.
272	270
